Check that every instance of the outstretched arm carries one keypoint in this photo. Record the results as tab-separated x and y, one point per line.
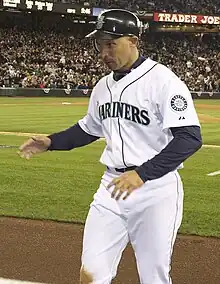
86	131
70	138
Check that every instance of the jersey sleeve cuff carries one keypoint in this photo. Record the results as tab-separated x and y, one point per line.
142	174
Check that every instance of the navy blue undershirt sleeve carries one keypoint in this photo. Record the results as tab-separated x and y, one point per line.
187	140
70	138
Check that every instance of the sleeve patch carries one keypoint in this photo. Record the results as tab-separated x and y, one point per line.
178	103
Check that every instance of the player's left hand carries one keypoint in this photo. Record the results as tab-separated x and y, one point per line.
125	183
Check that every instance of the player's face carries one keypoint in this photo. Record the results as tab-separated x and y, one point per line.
117	54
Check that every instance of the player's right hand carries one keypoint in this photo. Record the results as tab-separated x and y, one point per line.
33	146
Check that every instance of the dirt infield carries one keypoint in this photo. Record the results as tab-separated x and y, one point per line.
49	252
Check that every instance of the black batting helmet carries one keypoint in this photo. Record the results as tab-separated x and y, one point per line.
117	23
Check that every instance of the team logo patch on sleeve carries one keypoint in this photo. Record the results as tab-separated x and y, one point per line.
178	103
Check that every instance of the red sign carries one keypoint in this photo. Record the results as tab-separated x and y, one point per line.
186	18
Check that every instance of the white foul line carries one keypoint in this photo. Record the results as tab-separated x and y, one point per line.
23	134
10	281
210	146
214	174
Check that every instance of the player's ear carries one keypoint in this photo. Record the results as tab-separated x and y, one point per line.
133	40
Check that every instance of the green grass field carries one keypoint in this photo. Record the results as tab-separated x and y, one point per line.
60	185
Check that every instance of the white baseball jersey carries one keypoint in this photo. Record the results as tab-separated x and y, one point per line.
135	113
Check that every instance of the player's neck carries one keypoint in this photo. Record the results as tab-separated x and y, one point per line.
130	62
119	74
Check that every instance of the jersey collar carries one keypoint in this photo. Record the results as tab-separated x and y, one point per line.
117	75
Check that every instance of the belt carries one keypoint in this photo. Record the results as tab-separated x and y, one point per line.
123	170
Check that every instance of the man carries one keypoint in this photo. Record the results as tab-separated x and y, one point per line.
146	114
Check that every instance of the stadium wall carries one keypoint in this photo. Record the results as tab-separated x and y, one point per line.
28	92
35	92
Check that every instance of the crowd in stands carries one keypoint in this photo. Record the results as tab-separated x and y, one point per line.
38	58
179	6
195	59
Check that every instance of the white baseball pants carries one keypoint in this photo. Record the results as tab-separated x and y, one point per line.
149	219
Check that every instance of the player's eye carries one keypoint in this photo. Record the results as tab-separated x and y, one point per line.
111	44
100	45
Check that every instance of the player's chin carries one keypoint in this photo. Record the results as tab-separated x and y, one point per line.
111	65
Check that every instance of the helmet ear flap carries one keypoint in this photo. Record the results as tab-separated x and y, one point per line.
140	26
143	28
96	45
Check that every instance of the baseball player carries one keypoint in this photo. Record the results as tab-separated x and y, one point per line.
147	117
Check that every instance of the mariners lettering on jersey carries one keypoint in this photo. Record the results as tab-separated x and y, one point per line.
125	111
